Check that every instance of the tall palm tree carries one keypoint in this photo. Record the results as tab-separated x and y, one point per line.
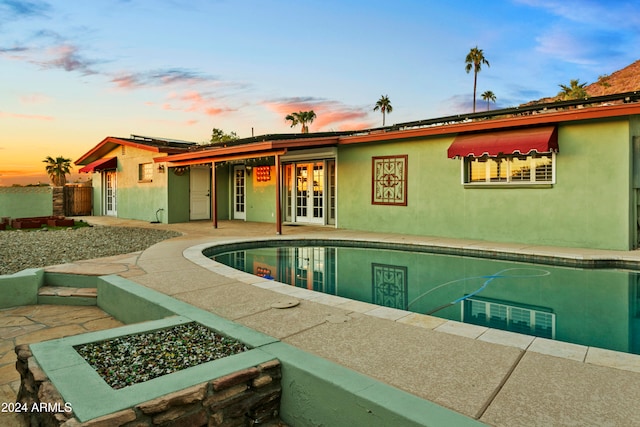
575	90
301	117
474	60
58	169
384	105
488	96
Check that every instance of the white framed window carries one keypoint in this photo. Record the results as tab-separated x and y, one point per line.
515	169
145	172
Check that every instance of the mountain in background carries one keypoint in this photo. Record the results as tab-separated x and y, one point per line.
624	80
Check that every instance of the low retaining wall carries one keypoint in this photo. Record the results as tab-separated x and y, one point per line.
246	397
18	202
21	288
311	390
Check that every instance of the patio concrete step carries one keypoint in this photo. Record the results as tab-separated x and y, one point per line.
65	295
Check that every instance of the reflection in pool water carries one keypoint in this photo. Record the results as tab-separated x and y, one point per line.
593	307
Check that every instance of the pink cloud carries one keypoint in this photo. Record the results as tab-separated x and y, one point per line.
196	102
35	98
125	81
329	114
161	78
67	57
25	116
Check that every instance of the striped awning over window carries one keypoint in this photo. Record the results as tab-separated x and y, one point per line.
101	165
522	141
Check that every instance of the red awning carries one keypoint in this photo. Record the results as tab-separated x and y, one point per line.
523	141
100	165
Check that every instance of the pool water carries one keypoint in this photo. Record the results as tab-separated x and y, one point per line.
593	307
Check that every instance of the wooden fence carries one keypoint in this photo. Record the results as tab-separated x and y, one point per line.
77	200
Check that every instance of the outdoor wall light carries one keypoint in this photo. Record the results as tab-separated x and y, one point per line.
160	168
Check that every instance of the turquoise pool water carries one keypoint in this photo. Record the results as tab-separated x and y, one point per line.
593	307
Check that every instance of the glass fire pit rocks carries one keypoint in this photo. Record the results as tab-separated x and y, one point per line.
133	359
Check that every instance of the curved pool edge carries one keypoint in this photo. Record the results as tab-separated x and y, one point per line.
526	343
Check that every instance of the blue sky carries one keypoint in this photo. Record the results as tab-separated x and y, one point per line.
74	72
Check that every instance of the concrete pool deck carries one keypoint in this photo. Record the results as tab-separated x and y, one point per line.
496	377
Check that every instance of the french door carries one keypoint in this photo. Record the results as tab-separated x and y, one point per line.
310	193
239	192
110	205
308	190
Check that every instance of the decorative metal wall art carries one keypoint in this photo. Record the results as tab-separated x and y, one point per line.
389	180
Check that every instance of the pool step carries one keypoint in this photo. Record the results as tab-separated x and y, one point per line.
64	295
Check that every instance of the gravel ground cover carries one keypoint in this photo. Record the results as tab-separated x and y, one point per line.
21	249
133	359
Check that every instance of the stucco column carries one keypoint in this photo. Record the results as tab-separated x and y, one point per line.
278	186
214	198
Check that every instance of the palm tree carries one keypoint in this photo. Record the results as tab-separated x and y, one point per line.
384	105
575	90
58	169
474	60
489	97
301	117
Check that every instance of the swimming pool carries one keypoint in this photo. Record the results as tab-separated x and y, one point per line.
593	307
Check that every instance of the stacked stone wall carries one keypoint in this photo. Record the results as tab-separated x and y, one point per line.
58	201
244	398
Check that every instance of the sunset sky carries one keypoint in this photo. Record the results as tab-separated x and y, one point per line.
75	71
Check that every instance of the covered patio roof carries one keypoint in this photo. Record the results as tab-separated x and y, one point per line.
246	151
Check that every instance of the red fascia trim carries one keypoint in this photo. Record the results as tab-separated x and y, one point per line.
539	119
118	141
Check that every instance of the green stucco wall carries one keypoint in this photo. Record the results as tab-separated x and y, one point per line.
142	203
178	197
223	191
261	198
589	206
136	199
20	202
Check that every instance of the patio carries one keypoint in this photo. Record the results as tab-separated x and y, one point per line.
496	377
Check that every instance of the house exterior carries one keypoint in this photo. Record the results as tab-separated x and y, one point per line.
128	184
561	174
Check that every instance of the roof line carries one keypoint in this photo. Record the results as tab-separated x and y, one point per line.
496	124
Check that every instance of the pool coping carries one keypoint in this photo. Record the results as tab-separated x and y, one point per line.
309	375
576	352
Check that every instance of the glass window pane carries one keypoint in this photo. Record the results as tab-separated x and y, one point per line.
544	167
521	168
536	168
477	170
498	169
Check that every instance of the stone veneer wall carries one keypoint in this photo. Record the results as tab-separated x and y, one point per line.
244	398
57	197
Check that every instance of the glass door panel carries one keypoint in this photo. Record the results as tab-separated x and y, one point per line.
302	192
110	194
239	190
309	192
